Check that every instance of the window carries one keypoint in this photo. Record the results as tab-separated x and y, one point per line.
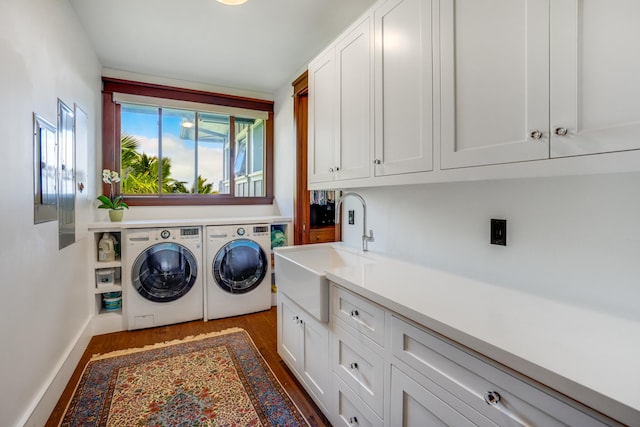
177	146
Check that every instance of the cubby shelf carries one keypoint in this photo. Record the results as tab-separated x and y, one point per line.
105	321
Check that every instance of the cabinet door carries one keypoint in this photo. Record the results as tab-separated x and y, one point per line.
414	405
595	64
349	410
403	87
357	362
289	342
494	81
315	361
320	139
354	127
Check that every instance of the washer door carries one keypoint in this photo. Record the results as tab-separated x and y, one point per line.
164	272
240	266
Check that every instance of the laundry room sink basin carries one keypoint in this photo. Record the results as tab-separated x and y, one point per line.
301	273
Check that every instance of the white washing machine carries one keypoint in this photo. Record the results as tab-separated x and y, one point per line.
164	281
238	269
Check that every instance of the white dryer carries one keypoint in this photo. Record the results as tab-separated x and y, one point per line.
238	269
163	283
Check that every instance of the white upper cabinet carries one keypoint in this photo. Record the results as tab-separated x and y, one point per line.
529	80
403	87
495	81
321	142
354	127
420	91
340	116
595	76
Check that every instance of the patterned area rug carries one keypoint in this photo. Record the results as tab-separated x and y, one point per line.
217	379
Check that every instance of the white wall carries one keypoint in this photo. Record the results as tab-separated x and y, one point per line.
284	150
571	238
44	297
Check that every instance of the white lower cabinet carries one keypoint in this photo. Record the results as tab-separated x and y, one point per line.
483	392
348	409
369	366
422	403
303	343
359	315
358	362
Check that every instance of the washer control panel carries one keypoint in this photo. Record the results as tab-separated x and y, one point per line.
183	234
260	230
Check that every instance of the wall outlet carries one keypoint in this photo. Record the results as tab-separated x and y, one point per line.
352	217
499	232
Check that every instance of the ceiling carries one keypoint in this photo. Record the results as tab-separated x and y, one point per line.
257	46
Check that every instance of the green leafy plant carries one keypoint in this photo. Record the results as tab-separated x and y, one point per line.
114	203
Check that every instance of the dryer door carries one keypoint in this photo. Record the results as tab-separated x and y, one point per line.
240	266
164	272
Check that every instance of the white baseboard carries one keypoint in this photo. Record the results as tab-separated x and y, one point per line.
48	396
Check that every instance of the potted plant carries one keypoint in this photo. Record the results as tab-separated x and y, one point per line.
115	204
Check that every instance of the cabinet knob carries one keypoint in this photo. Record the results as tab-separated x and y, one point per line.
492	398
353	420
536	134
337	168
377	162
561	131
330	169
354	313
353	365
296	318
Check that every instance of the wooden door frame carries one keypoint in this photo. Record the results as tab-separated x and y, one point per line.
301	200
301	215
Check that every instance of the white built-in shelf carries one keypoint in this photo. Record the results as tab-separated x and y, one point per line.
115	287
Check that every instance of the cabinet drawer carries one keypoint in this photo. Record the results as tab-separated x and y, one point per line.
322	235
349	410
360	366
358	314
416	403
471	379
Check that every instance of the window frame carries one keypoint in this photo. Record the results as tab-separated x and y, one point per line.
111	131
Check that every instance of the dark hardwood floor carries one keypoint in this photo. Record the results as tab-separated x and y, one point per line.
260	326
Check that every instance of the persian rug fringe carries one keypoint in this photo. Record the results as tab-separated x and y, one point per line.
187	339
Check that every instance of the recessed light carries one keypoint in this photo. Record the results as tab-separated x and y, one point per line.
232	2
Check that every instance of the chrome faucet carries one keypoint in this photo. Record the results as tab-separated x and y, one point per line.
365	238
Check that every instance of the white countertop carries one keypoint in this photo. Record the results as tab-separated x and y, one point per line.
187	222
590	356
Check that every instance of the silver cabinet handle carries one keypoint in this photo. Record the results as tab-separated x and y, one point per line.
377	162
354	313
536	134
353	420
492	398
561	131
353	365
